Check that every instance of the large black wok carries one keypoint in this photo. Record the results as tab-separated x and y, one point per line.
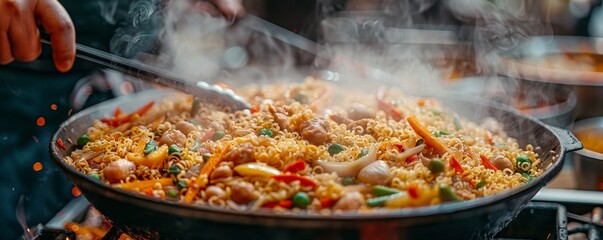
476	219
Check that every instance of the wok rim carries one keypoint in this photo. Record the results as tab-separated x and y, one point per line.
435	210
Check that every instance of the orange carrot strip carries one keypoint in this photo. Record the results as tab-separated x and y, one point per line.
207	168
487	163
146	183
429	139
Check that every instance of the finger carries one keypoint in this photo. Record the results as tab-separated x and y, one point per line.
25	39
230	8
205	7
57	23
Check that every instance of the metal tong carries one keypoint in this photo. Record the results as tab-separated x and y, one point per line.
204	91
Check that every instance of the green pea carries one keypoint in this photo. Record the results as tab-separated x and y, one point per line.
480	184
447	195
218	135
82	140
150	147
95	176
380	201
174	149
301	200
384	191
181	184
206	157
174	169
363	152
265	132
523	163
347	181
335	148
436	165
172	193
301	97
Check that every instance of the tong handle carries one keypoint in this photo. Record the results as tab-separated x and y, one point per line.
202	90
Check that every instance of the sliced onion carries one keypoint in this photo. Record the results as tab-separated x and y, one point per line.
349	169
416	150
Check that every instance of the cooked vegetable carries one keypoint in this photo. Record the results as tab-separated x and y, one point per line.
154	159
296	166
486	162
143	184
456	165
429	139
375	173
174	169
301	97
380	201
265	132
381	190
436	165
349	169
301	200
172	193
523	163
527	176
480	184
174	149
82	140
194	186
95	176
447	195
256	169
347	181
403	156
218	135
335	148
181	185
439	133
150	147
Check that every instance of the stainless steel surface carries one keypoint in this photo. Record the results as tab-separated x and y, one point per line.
587	85
75	208
570	196
587	164
200	89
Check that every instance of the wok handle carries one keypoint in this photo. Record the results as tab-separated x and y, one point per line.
567	139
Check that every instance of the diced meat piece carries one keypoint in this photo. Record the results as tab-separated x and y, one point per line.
240	155
340	118
315	131
118	170
280	117
173	136
359	111
501	163
185	127
222	171
349	201
242	193
193	171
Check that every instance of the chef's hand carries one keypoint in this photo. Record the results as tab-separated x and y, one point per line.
20	38
228	8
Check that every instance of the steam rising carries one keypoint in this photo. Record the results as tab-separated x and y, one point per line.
366	42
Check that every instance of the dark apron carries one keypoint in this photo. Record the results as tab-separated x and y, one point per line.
32	91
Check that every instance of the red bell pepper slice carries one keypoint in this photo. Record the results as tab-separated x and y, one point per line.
290	178
486	162
413	191
61	144
456	165
296	166
327	202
